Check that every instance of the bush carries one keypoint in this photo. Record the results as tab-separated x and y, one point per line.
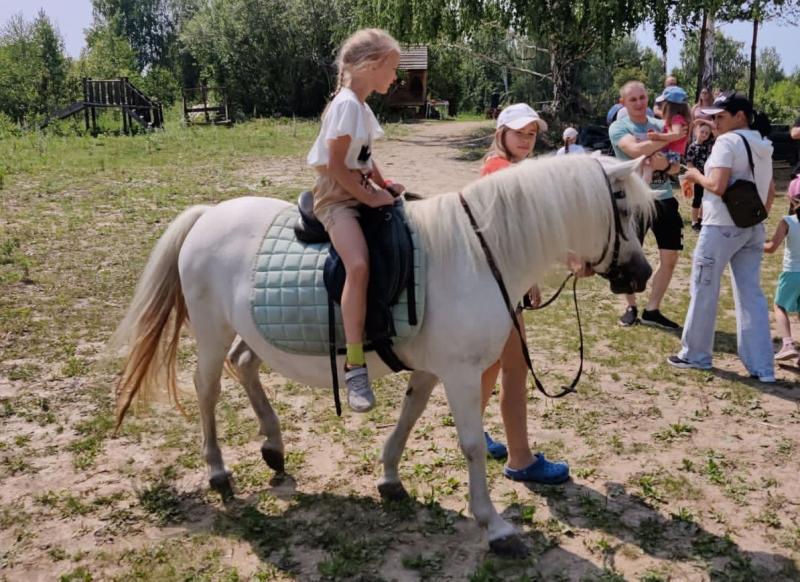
8	128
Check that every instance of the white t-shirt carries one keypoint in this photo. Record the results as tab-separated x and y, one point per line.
573	149
347	115
729	152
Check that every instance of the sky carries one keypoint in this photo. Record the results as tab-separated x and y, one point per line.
783	38
73	16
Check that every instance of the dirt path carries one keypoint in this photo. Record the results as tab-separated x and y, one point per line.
429	160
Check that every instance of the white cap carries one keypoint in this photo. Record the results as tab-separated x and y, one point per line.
518	116
570	132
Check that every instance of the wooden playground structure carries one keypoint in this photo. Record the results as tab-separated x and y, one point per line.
196	106
114	93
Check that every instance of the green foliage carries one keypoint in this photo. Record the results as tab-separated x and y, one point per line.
566	31
33	68
108	55
273	56
729	60
161	84
781	102
149	26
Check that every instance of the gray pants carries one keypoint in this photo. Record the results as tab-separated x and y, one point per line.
743	248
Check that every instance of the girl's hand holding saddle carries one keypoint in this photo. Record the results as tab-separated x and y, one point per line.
395	189
380	198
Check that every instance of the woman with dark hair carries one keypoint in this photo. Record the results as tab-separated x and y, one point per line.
706	100
741	152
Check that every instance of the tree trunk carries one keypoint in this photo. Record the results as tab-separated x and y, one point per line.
701	57
753	46
563	70
709	70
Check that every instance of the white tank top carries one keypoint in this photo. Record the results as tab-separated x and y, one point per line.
791	249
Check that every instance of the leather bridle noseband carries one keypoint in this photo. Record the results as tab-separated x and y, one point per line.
613	271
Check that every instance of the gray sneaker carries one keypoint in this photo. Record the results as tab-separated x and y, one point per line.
630	317
360	397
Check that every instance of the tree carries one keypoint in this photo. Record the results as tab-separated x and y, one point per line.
729	59
53	64
768	68
758	11
567	31
108	54
33	68
274	56
148	25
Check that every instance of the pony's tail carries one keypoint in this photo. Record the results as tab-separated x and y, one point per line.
142	331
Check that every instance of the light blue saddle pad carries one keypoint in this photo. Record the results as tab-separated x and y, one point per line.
289	300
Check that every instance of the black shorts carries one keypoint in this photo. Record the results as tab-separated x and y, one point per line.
667	226
697	201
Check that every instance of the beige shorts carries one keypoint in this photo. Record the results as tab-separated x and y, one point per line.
332	202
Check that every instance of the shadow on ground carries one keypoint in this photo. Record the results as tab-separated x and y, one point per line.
633	520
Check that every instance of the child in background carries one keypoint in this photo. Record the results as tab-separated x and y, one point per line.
348	176
696	155
570	146
677	119
517	128
787	293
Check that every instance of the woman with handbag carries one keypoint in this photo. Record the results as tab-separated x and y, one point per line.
738	192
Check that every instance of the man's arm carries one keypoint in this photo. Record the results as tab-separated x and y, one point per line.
795	132
634	149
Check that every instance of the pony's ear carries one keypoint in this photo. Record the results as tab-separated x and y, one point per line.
621	170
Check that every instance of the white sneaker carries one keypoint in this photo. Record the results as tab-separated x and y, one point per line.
360	396
787	352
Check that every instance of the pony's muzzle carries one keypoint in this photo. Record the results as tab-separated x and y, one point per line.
630	277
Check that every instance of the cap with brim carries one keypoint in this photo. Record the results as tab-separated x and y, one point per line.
519	115
732	102
673	94
521	122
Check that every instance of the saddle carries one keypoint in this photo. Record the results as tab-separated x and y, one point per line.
391	263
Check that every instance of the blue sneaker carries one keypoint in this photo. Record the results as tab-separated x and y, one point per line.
495	449
540	471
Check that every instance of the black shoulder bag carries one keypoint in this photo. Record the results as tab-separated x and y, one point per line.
741	198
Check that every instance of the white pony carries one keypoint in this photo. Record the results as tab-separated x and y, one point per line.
531	215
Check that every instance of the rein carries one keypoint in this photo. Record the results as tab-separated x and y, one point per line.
498	277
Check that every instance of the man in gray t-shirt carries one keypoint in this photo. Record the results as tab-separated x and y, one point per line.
629	140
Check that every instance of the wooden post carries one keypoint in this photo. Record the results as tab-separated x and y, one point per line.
185	108
92	99
123	99
85	101
204	89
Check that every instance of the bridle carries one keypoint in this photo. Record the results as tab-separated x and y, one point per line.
614	271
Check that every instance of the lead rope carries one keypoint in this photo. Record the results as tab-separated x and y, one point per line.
499	279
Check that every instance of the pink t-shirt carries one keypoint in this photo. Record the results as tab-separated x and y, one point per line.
494	164
678	146
794	188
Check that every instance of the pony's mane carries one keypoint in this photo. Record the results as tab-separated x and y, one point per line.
530	214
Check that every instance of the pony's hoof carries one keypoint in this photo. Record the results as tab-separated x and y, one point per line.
393	491
222	485
509	547
279	479
274	460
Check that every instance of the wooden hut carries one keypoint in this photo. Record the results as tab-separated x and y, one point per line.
413	71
